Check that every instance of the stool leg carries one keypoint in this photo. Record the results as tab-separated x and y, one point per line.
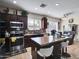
44	57
61	53
62	50
66	50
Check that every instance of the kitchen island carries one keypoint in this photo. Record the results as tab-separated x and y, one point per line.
46	42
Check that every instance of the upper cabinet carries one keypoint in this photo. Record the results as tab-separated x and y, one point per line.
12	17
24	20
34	24
44	23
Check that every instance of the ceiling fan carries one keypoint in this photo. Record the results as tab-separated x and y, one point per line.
67	14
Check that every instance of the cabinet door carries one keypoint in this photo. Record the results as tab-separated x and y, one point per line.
24	20
34	24
44	22
3	16
13	18
8	16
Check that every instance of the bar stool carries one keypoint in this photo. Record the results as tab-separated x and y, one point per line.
45	52
64	49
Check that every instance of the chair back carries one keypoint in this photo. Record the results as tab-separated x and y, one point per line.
45	52
64	44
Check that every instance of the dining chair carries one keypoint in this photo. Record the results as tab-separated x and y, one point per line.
64	49
45	52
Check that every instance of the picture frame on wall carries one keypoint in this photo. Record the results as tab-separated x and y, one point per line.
71	20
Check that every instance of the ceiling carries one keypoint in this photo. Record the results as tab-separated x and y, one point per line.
65	6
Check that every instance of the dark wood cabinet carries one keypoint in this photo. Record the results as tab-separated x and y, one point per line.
44	23
12	17
24	20
16	24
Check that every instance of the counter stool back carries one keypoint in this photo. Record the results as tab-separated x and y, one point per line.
64	48
45	52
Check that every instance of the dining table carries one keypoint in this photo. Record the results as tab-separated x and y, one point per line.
46	42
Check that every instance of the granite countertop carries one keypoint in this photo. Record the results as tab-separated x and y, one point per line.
44	41
33	34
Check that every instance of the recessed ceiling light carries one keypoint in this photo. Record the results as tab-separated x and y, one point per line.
14	1
36	8
57	4
48	12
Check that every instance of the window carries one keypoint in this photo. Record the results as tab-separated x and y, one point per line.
34	24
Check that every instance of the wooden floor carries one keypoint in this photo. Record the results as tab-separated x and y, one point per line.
26	55
73	50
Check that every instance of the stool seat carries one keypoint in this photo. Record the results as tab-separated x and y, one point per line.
45	52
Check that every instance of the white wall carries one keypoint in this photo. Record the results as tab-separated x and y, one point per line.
52	24
65	21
